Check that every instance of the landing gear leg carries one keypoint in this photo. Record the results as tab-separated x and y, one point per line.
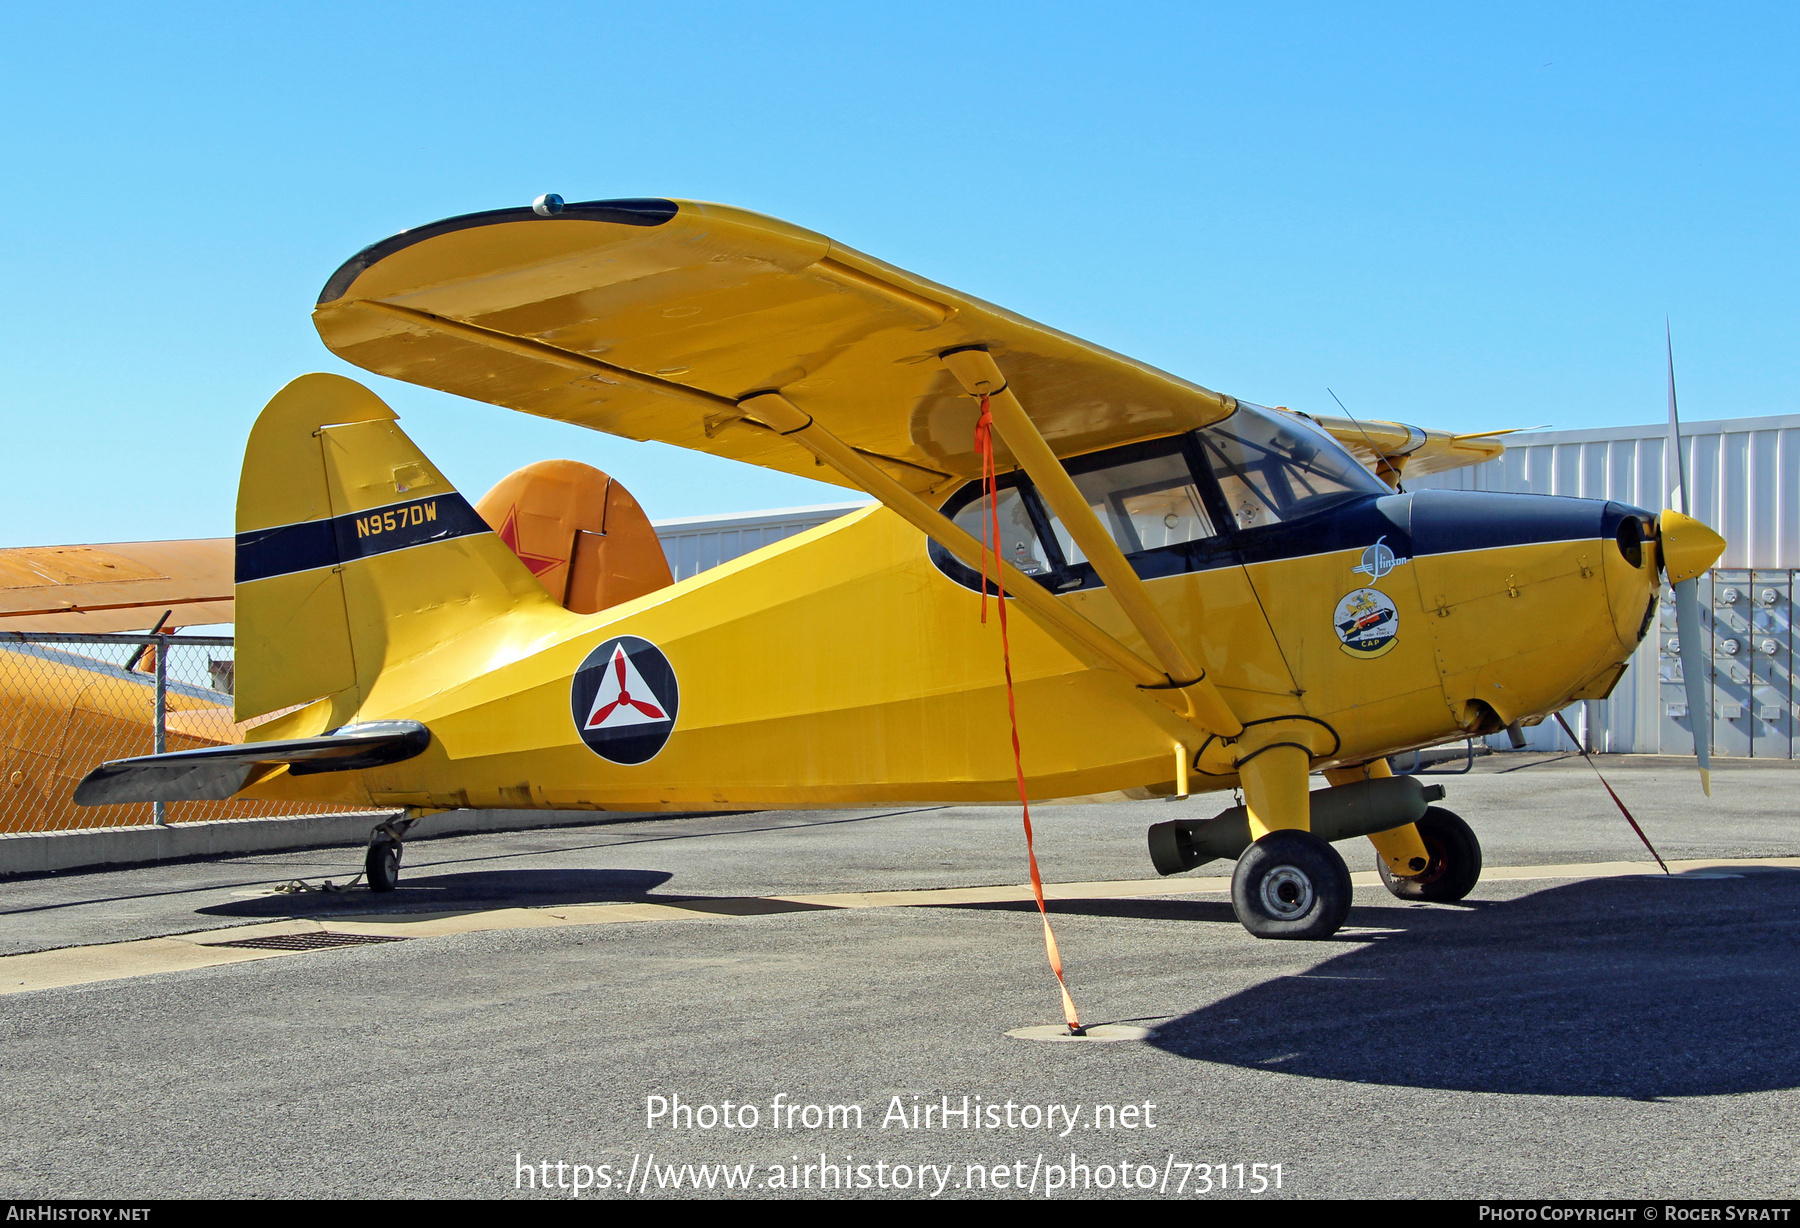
1402	852
1288	883
382	862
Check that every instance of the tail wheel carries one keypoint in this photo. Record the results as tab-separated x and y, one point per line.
382	865
1455	865
1291	884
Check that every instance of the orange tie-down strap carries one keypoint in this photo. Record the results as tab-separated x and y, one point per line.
990	541
1582	751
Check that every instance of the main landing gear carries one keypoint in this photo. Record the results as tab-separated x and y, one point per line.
381	864
1291	884
1454	864
1289	881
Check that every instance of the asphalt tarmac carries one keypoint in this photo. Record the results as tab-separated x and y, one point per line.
1621	1035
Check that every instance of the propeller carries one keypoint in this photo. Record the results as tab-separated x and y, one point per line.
1689	548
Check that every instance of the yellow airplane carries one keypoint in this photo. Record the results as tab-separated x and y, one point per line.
116	587
67	710
1205	594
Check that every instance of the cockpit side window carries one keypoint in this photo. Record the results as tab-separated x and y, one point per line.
1155	499
1145	503
1273	467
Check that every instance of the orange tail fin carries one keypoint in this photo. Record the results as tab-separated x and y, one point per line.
580	532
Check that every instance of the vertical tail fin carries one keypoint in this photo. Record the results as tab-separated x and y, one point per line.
354	553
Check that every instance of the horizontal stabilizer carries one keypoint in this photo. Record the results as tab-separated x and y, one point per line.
214	773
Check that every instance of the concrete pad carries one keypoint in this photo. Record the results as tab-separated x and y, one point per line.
1581	1026
1099	1034
85	965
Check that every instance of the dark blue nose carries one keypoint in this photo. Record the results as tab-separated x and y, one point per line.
1450	521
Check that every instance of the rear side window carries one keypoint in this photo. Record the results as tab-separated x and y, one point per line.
1019	544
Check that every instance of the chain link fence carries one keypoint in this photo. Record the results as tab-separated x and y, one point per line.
73	702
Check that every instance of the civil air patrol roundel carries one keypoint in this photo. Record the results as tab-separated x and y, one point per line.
1366	622
624	699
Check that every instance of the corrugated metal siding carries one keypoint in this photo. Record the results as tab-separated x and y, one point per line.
694	544
1745	477
1744	474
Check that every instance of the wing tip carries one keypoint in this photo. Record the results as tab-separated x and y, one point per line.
627	211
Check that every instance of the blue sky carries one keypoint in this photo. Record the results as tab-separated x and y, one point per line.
1462	217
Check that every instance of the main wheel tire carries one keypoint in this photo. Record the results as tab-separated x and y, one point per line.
382	865
1455	865
1291	884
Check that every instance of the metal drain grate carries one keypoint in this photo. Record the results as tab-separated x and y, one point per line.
317	941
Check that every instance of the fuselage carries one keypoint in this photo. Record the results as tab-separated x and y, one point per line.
851	665
64	713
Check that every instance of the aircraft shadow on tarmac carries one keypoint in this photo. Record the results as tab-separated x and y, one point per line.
1631	987
459	892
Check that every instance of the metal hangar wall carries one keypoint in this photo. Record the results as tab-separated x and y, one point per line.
1745	476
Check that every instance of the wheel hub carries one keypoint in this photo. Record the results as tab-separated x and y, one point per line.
1286	893
1434	870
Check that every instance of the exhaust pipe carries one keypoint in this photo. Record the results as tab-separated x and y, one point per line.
1360	809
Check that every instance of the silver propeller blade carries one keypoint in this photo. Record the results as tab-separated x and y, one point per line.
1689	630
1691	633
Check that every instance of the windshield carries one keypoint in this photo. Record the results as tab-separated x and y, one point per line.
1275	466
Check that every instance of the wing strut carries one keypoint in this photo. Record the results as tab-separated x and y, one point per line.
980	376
781	415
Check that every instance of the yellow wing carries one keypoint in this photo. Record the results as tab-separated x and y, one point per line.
1395	448
651	319
123	586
